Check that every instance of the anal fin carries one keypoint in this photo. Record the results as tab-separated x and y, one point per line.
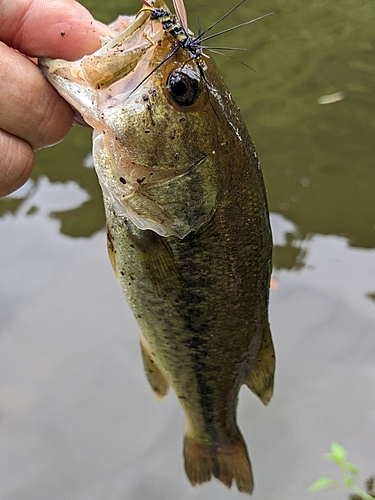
260	380
158	381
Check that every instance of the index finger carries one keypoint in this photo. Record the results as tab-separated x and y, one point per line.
53	28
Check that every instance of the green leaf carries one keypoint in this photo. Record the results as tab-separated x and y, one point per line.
348	481
338	451
333	458
352	468
321	484
330	457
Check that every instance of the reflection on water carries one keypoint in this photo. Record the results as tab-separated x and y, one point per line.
317	158
289	248
77	417
65	163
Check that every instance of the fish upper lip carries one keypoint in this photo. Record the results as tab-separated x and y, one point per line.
90	70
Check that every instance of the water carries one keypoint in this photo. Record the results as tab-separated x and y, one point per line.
78	420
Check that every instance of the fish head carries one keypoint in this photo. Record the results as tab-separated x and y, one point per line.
157	120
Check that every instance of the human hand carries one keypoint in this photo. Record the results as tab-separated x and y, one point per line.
32	114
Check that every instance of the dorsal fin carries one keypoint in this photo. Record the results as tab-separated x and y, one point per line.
260	380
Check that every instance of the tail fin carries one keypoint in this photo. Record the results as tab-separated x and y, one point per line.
204	460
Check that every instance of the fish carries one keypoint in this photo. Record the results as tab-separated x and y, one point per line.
188	229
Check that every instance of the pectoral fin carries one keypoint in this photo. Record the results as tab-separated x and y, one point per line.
260	380
158	381
158	262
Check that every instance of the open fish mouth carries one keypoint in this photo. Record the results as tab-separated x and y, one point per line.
148	167
117	59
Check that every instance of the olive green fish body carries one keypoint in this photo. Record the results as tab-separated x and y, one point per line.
202	301
188	236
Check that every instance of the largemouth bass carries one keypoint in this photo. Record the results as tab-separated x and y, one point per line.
188	228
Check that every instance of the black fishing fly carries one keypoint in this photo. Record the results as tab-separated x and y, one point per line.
178	29
178	32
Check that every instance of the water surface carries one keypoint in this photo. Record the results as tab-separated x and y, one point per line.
77	418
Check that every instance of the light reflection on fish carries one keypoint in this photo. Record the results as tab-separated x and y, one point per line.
188	228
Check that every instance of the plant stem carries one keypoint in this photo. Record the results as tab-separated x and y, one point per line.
361	493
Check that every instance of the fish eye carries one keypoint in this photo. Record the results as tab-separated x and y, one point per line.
183	86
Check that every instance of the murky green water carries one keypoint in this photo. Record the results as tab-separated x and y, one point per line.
78	420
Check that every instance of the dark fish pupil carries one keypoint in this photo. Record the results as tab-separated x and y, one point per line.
179	88
183	88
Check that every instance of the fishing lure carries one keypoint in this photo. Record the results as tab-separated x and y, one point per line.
177	27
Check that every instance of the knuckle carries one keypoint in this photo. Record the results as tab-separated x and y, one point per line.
55	120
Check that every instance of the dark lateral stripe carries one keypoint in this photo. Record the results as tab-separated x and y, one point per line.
196	343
